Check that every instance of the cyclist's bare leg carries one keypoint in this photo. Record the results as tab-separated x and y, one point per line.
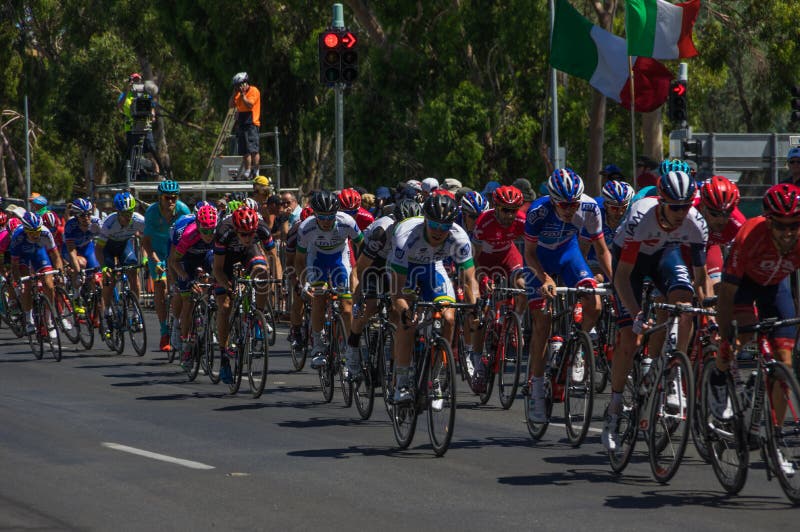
223	315
541	333
591	312
685	321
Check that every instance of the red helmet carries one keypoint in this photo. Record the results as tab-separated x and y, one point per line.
350	199
782	200
508	195
306	212
719	193
13	223
207	217
3	218
245	220
442	192
50	219
135	77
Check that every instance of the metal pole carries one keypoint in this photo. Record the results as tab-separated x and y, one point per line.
556	157
338	23
633	121
277	160
27	158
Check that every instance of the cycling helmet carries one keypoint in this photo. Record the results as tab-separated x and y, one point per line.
240	78
306	212
135	77
782	200
674	165
617	192
199	204
123	201
509	196
13	223
383	193
473	203
349	199
324	202
31	221
169	187
794	153
3	218
406	208
719	193
50	220
440	208
207	217
82	205
245	220
233	205
676	186
565	185
251	203
414	184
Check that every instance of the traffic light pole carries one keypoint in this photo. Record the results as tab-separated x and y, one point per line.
338	23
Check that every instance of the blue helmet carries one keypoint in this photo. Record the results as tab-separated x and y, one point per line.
565	185
169	187
199	204
677	187
674	165
82	205
473	203
489	189
617	192
31	221
123	201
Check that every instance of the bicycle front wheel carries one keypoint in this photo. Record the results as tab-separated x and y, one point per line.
783	437
49	336
509	362
670	416
271	332
364	385
134	322
66	315
86	325
725	440
698	420
441	395
339	345
299	349
628	421
579	388
236	340
257	353
210	346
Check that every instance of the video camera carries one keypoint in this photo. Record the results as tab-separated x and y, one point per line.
142	103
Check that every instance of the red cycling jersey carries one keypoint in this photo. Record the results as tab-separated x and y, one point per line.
729	232
362	217
755	256
493	237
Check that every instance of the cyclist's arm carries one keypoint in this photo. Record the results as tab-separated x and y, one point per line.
622	283
73	256
362	264
175	263
702	282
399	302
55	258
274	263
603	256
533	263
100	251
299	264
725	308
466	277
147	244
219	272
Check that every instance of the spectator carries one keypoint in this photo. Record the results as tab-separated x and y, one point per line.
793	163
612	172
290	207
645	176
247	100
528	195
452	184
132	138
262	190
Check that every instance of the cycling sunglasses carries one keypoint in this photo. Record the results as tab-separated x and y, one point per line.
677	207
508	210
326	217
170	197
780	226
437	226
568	205
617	208
206	231
719	214
246	235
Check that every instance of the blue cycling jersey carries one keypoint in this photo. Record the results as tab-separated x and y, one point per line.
547	230
157	228
80	238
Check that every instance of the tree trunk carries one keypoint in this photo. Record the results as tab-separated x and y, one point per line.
14	164
3	180
652	134
597	127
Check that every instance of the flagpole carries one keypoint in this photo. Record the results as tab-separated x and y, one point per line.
554	98
633	123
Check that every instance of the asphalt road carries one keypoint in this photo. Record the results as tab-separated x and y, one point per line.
100	442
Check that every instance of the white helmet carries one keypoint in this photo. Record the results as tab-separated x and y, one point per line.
429	184
253	204
240	78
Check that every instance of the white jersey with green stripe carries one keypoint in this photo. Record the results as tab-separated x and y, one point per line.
410	248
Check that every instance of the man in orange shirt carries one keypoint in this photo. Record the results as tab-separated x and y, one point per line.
247	101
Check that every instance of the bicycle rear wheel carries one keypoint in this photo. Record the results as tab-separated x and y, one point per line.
236	340
210	346
628	421
386	357
783	439
579	388
49	336
338	340
36	338
698	420
670	416
403	416
86	324
509	361
725	441
271	332
441	395
537	430
491	345
257	353
364	385
134	322
299	349
66	315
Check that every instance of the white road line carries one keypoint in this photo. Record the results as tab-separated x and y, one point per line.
155	456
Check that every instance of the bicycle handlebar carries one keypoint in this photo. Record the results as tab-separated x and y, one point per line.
38	275
684	308
584	291
765	325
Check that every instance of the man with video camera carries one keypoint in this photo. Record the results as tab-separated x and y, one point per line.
139	108
247	100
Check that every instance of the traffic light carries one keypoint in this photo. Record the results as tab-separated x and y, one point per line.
677	108
692	150
338	57
796	103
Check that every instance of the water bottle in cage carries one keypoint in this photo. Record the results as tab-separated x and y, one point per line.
554	351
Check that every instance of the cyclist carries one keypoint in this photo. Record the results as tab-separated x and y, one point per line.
79	235
115	243
472	206
371	267
350	202
718	202
419	245
5	240
496	254
553	225
613	204
55	224
648	244
33	248
763	256
193	251
240	238
324	253
158	218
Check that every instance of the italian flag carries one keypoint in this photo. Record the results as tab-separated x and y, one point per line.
587	51
659	29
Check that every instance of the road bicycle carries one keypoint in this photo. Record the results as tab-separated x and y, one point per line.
765	401
248	336
126	313
379	340
45	335
334	339
202	332
604	343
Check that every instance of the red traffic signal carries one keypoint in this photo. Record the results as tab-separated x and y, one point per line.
679	89
348	39
338	57
330	39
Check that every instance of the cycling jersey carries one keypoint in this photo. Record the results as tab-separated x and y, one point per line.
226	241
377	240
547	230
33	254
362	217
83	240
754	255
191	243
328	253
5	241
177	229
112	230
495	238
157	227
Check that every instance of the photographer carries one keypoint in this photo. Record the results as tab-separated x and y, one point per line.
138	127
247	101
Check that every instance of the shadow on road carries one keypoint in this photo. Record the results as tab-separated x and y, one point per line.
146	383
568	477
270	404
677	498
120	365
182	396
316	422
345	452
